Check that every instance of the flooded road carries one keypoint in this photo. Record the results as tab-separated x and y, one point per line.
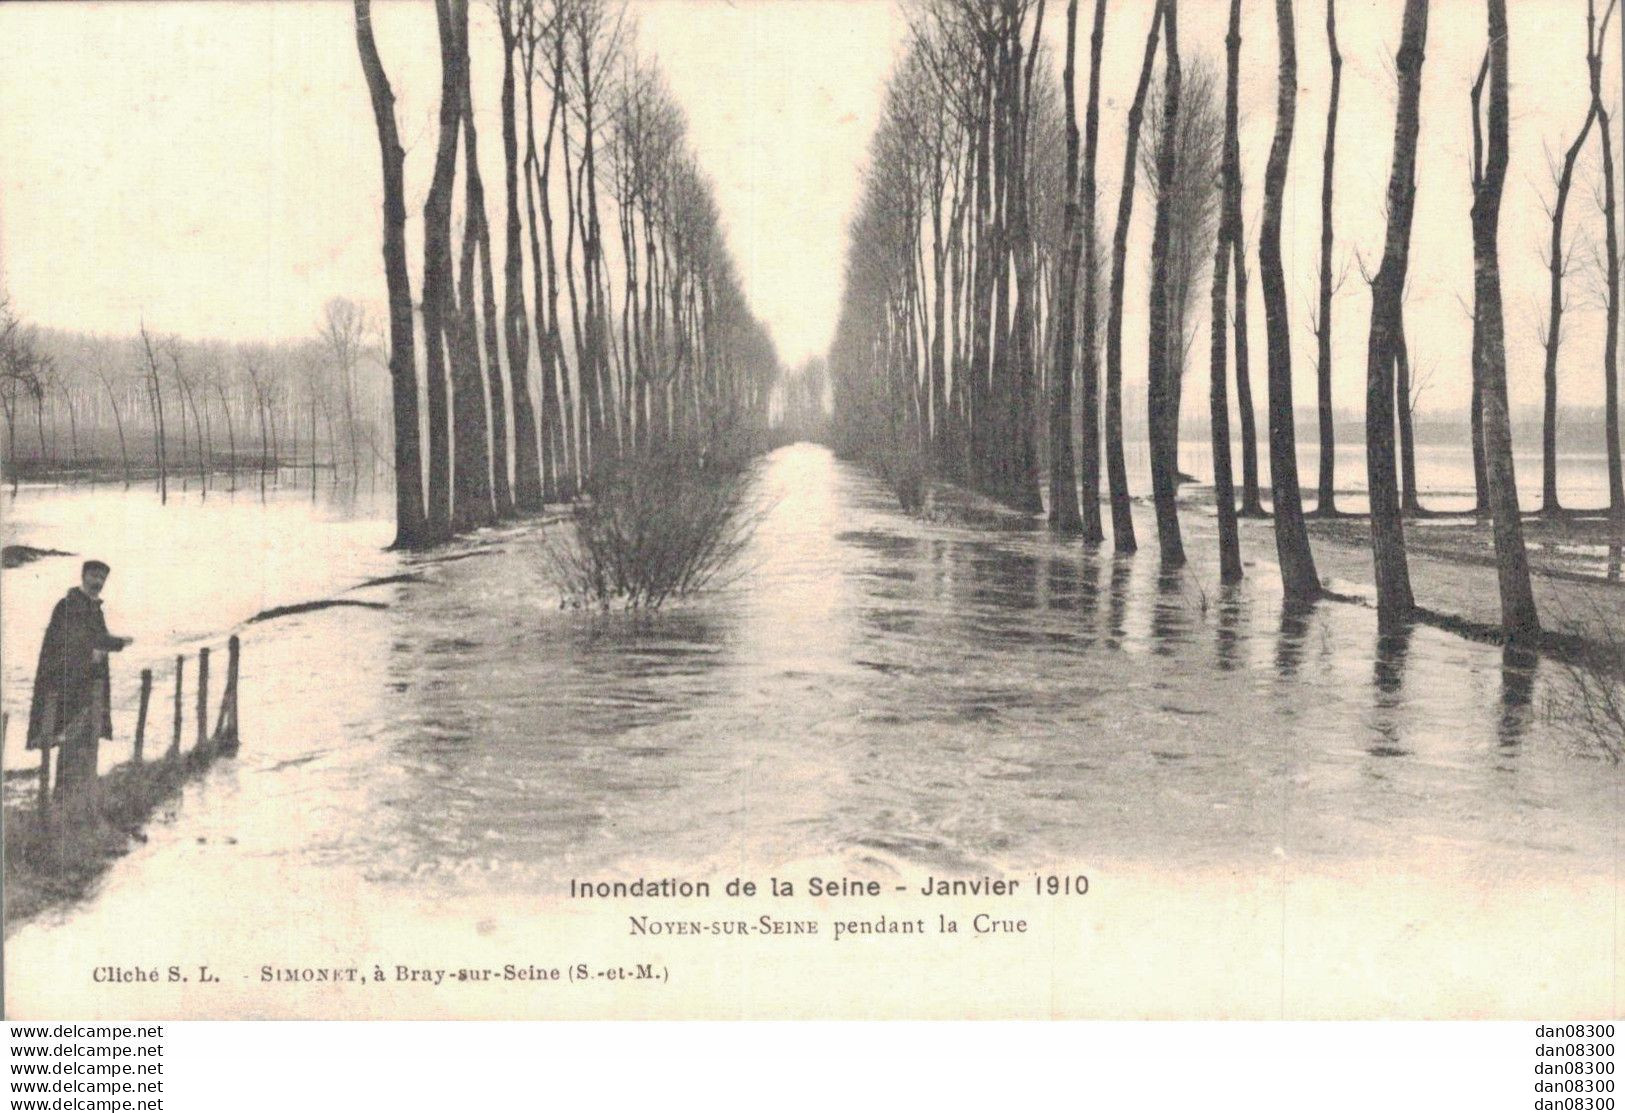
959	692
948	694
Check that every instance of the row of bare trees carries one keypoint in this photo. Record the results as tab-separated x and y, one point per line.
157	406
974	286
954	256
1596	122
634	328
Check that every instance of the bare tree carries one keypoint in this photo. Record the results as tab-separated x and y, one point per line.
1394	599
1064	515
21	377
1327	506
439	308
1116	468
343	331
1160	372
1610	356
118	420
1229	234
558	453
231	434
1192	199
155	392
189	402
1407	392
1557	265
411	521
527	481
474	405
1519	621
1090	393
1299	580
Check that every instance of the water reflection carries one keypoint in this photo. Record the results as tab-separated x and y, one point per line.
957	691
1518	667
1294	633
1170	615
1117	599
1388	667
1228	631
1388	678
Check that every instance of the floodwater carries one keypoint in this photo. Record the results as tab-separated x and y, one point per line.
1444	472
946	694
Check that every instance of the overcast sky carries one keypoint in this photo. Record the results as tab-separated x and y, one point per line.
213	167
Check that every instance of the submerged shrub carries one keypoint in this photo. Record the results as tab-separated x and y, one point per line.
1590	695
654	525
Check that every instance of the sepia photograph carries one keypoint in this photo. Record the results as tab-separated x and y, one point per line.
812	509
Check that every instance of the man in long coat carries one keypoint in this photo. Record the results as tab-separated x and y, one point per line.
72	681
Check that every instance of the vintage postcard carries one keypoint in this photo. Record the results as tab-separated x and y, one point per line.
812	509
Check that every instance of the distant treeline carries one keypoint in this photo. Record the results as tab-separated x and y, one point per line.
159	407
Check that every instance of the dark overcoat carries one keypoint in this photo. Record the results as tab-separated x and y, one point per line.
70	670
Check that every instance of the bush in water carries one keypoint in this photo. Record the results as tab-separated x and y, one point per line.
654	525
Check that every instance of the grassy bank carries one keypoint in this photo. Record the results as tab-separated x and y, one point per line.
55	858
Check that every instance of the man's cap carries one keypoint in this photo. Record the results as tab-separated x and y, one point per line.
94	566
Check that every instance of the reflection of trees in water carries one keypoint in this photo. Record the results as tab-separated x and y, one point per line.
1517	694
1388	680
1388	665
1294	633
1228	631
1117	599
1170	613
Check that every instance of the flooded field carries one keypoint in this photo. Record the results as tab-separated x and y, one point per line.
948	694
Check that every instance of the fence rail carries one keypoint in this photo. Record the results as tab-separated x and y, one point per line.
78	746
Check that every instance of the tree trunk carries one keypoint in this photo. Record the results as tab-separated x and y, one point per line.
180	407
411	522
190	401
1610	357
1327	505
439	314
1160	385
550	422
473	409
118	420
1224	493
1394	599
583	424
265	452
527	481
1251	505
1063	491
1299	581
1116	469
1554	320
1026	349
1089	460
1519	621
155	389
494	389
231	435
1409	501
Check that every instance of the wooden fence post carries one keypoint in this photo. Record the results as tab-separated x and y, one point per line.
225	728
141	716
45	774
202	697
180	676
